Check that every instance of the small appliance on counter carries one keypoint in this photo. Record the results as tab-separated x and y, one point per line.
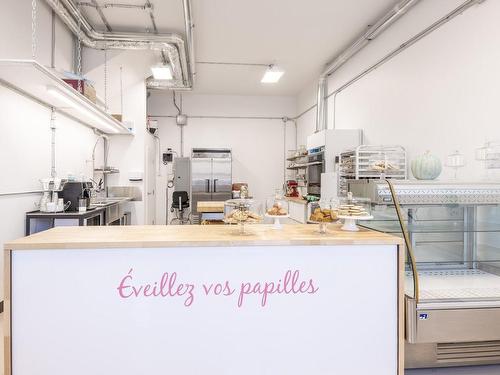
74	192
292	189
50	201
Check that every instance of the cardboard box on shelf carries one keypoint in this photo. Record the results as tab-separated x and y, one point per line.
118	116
86	89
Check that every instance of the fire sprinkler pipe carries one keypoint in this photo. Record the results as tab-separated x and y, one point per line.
373	31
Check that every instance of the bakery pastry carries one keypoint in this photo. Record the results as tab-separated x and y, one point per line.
323	215
277	210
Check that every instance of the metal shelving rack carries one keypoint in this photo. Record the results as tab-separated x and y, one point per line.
298	163
372	162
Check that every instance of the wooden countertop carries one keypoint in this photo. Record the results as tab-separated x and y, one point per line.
210	206
195	235
296	200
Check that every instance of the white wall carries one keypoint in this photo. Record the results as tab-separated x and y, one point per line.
125	152
441	94
257	144
15	36
25	125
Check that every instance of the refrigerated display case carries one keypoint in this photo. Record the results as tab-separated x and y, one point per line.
453	284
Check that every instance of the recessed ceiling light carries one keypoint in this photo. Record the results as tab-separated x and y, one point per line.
162	72
272	75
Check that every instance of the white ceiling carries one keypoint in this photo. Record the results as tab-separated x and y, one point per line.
300	36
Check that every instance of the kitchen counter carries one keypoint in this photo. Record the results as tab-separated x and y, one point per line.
191	235
90	211
296	200
106	212
292	300
65	214
297	208
105	202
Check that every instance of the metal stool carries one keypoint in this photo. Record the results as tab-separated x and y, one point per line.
180	203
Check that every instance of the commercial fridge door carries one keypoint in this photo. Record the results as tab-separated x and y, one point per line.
221	175
201	175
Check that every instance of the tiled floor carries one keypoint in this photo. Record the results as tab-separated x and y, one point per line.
480	370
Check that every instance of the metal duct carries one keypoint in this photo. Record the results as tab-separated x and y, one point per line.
172	44
373	31
321	114
189	25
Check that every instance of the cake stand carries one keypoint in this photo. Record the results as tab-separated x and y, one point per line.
276	218
350	222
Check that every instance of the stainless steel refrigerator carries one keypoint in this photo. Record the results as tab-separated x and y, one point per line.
211	175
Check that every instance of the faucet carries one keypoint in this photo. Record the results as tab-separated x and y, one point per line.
101	186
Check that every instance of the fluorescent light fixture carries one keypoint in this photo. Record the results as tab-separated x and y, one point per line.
55	92
82	107
162	72
272	75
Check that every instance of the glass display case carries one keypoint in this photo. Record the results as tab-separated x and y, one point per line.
323	212
351	209
277	208
452	280
241	212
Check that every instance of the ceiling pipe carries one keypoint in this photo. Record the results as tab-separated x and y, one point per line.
373	31
321	111
189	26
172	44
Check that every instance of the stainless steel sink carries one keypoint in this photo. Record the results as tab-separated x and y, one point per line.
107	201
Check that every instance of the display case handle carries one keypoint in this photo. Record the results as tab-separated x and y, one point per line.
406	237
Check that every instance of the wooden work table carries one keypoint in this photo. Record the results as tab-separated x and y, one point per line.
210	206
192	299
192	235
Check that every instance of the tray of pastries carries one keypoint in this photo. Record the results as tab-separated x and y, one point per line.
323	215
242	216
352	210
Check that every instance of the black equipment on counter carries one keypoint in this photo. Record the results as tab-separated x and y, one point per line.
73	191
